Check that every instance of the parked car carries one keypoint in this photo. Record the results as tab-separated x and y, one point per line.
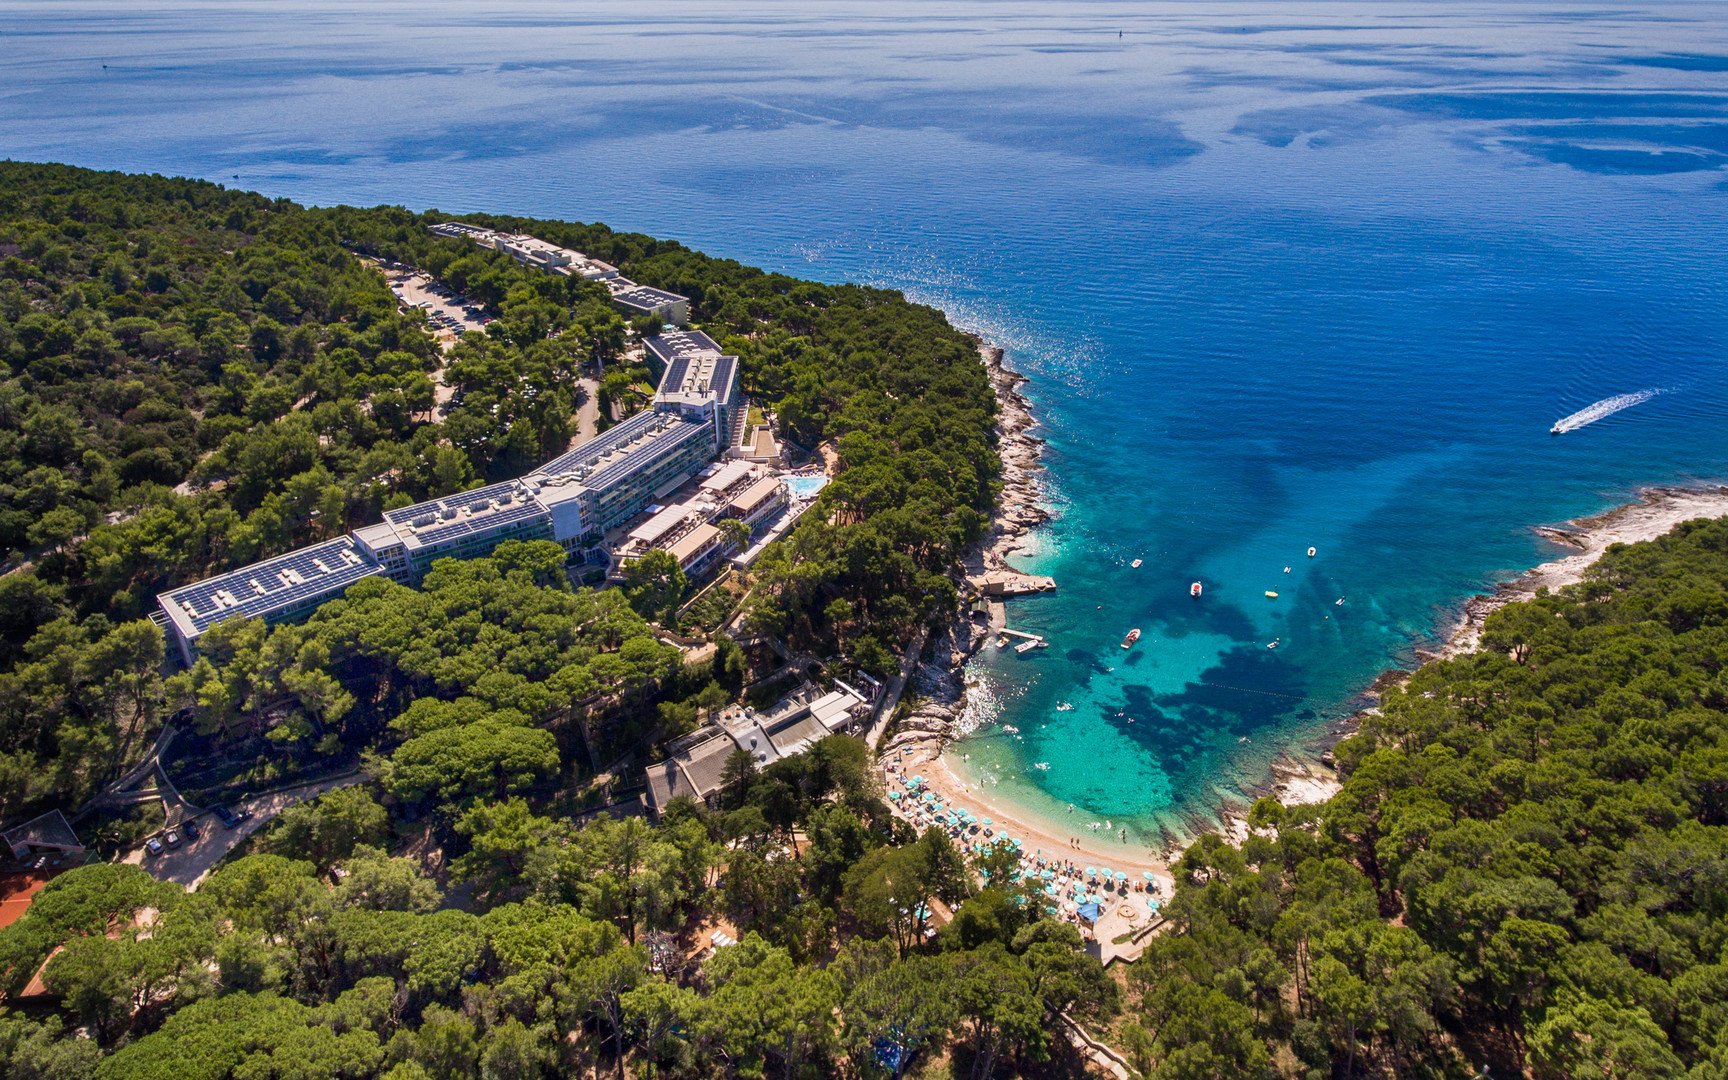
171	838
153	846
227	817
191	828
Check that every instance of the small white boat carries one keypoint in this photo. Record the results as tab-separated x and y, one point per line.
1135	564
1286	569
1028	646
1194	590
1273	644
1271	595
1133	636
1338	602
1063	706
1042	766
1310	553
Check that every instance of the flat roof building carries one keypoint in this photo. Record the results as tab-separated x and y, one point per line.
276	590
697	549
758	500
47	834
647	300
729	478
793	725
531	251
575	499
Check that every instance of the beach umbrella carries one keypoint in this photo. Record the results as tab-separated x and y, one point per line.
1120	876
929	796
1051	889
1148	875
917	779
1107	872
1091	871
1151	904
987	821
1016	841
1047	875
894	796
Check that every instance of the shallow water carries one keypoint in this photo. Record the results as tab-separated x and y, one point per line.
1283	274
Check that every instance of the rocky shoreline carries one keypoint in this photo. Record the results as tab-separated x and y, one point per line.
1300	776
1654	512
940	681
1305	776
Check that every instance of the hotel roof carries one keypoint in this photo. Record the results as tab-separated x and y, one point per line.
268	586
727	475
675	343
659	435
483	509
751	498
644	297
651	531
697	377
693	542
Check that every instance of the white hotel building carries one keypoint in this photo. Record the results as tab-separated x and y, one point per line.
575	499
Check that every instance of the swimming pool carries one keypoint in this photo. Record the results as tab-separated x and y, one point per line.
806	487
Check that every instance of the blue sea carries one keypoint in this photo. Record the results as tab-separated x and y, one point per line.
1282	275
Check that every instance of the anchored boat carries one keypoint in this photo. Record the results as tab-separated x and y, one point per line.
1133	636
1194	590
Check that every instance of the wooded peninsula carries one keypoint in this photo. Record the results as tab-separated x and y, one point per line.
1526	867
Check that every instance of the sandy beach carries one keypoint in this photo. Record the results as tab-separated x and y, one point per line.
916	744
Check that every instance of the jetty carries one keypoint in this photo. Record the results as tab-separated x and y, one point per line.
1003	582
1028	642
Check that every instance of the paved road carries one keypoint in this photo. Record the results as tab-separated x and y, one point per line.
587	413
191	862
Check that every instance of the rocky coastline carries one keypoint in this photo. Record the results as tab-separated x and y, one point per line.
1654	511
1306	776
939	712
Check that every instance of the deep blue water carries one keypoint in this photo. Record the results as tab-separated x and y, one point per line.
1284	274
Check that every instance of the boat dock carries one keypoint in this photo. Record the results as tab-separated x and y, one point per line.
1011	583
1028	642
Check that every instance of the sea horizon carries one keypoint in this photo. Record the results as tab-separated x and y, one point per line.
1280	277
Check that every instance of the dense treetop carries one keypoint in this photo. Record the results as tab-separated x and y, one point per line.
1527	865
195	378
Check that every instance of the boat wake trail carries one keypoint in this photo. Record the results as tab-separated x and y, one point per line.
1589	414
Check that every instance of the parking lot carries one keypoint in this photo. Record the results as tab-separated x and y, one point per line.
450	313
192	858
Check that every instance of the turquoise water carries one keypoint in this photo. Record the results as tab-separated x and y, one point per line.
1282	274
806	487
